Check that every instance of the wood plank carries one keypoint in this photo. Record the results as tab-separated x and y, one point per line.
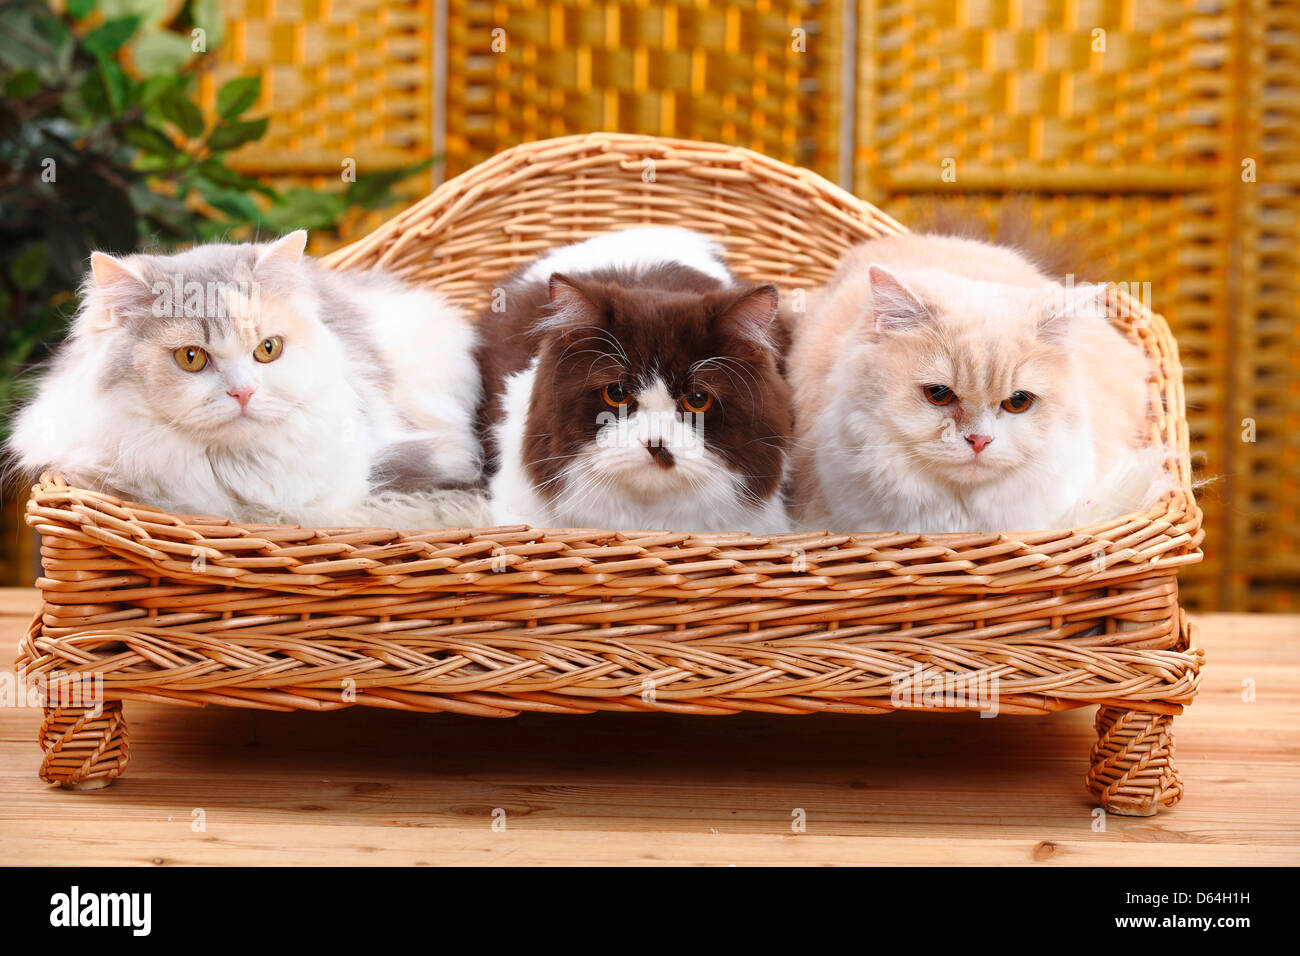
376	787
164	844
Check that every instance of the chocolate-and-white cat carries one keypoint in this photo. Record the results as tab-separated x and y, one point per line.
947	384
631	383
243	381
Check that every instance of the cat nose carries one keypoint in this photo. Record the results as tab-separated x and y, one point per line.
242	394
978	442
661	455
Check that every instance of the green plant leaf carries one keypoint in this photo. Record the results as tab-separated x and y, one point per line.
306	209
22	84
109	38
29	269
80	9
221	175
179	109
160	53
229	135
238	95
25	42
152	141
151	12
94	102
116	83
372	190
232	202
156	88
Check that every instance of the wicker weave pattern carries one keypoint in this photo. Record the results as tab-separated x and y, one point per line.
1264	376
84	750
343	78
1032	653
522	70
778	223
1017	95
1133	762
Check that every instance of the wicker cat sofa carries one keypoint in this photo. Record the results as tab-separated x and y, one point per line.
144	605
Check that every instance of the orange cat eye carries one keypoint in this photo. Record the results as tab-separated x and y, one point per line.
697	402
191	358
939	394
616	396
269	350
1018	402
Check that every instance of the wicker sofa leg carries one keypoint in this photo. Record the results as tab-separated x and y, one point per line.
84	748
1132	772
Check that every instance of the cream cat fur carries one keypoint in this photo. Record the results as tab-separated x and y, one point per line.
881	444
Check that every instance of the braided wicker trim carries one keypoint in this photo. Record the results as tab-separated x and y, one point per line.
810	565
570	669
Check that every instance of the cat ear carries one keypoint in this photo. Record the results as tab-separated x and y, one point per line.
285	251
118	283
749	318
571	309
1066	303
109	272
894	307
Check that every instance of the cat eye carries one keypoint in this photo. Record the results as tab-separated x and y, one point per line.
939	394
697	402
1018	402
616	395
269	350
191	358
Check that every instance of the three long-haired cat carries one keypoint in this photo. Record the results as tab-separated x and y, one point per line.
243	381
947	384
631	383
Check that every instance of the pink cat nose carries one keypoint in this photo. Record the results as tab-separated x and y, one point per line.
242	394
978	442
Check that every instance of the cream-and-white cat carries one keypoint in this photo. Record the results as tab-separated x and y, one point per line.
946	384
243	381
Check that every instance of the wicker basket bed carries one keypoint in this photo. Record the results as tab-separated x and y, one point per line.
144	605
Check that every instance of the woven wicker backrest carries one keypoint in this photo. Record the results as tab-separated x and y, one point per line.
777	223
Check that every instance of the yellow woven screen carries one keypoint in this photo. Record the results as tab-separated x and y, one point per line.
340	78
756	73
1083	94
1263	384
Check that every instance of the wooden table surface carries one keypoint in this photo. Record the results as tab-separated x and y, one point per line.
366	786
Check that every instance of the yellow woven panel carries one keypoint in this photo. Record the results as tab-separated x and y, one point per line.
340	78
756	73
1029	94
1264	377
